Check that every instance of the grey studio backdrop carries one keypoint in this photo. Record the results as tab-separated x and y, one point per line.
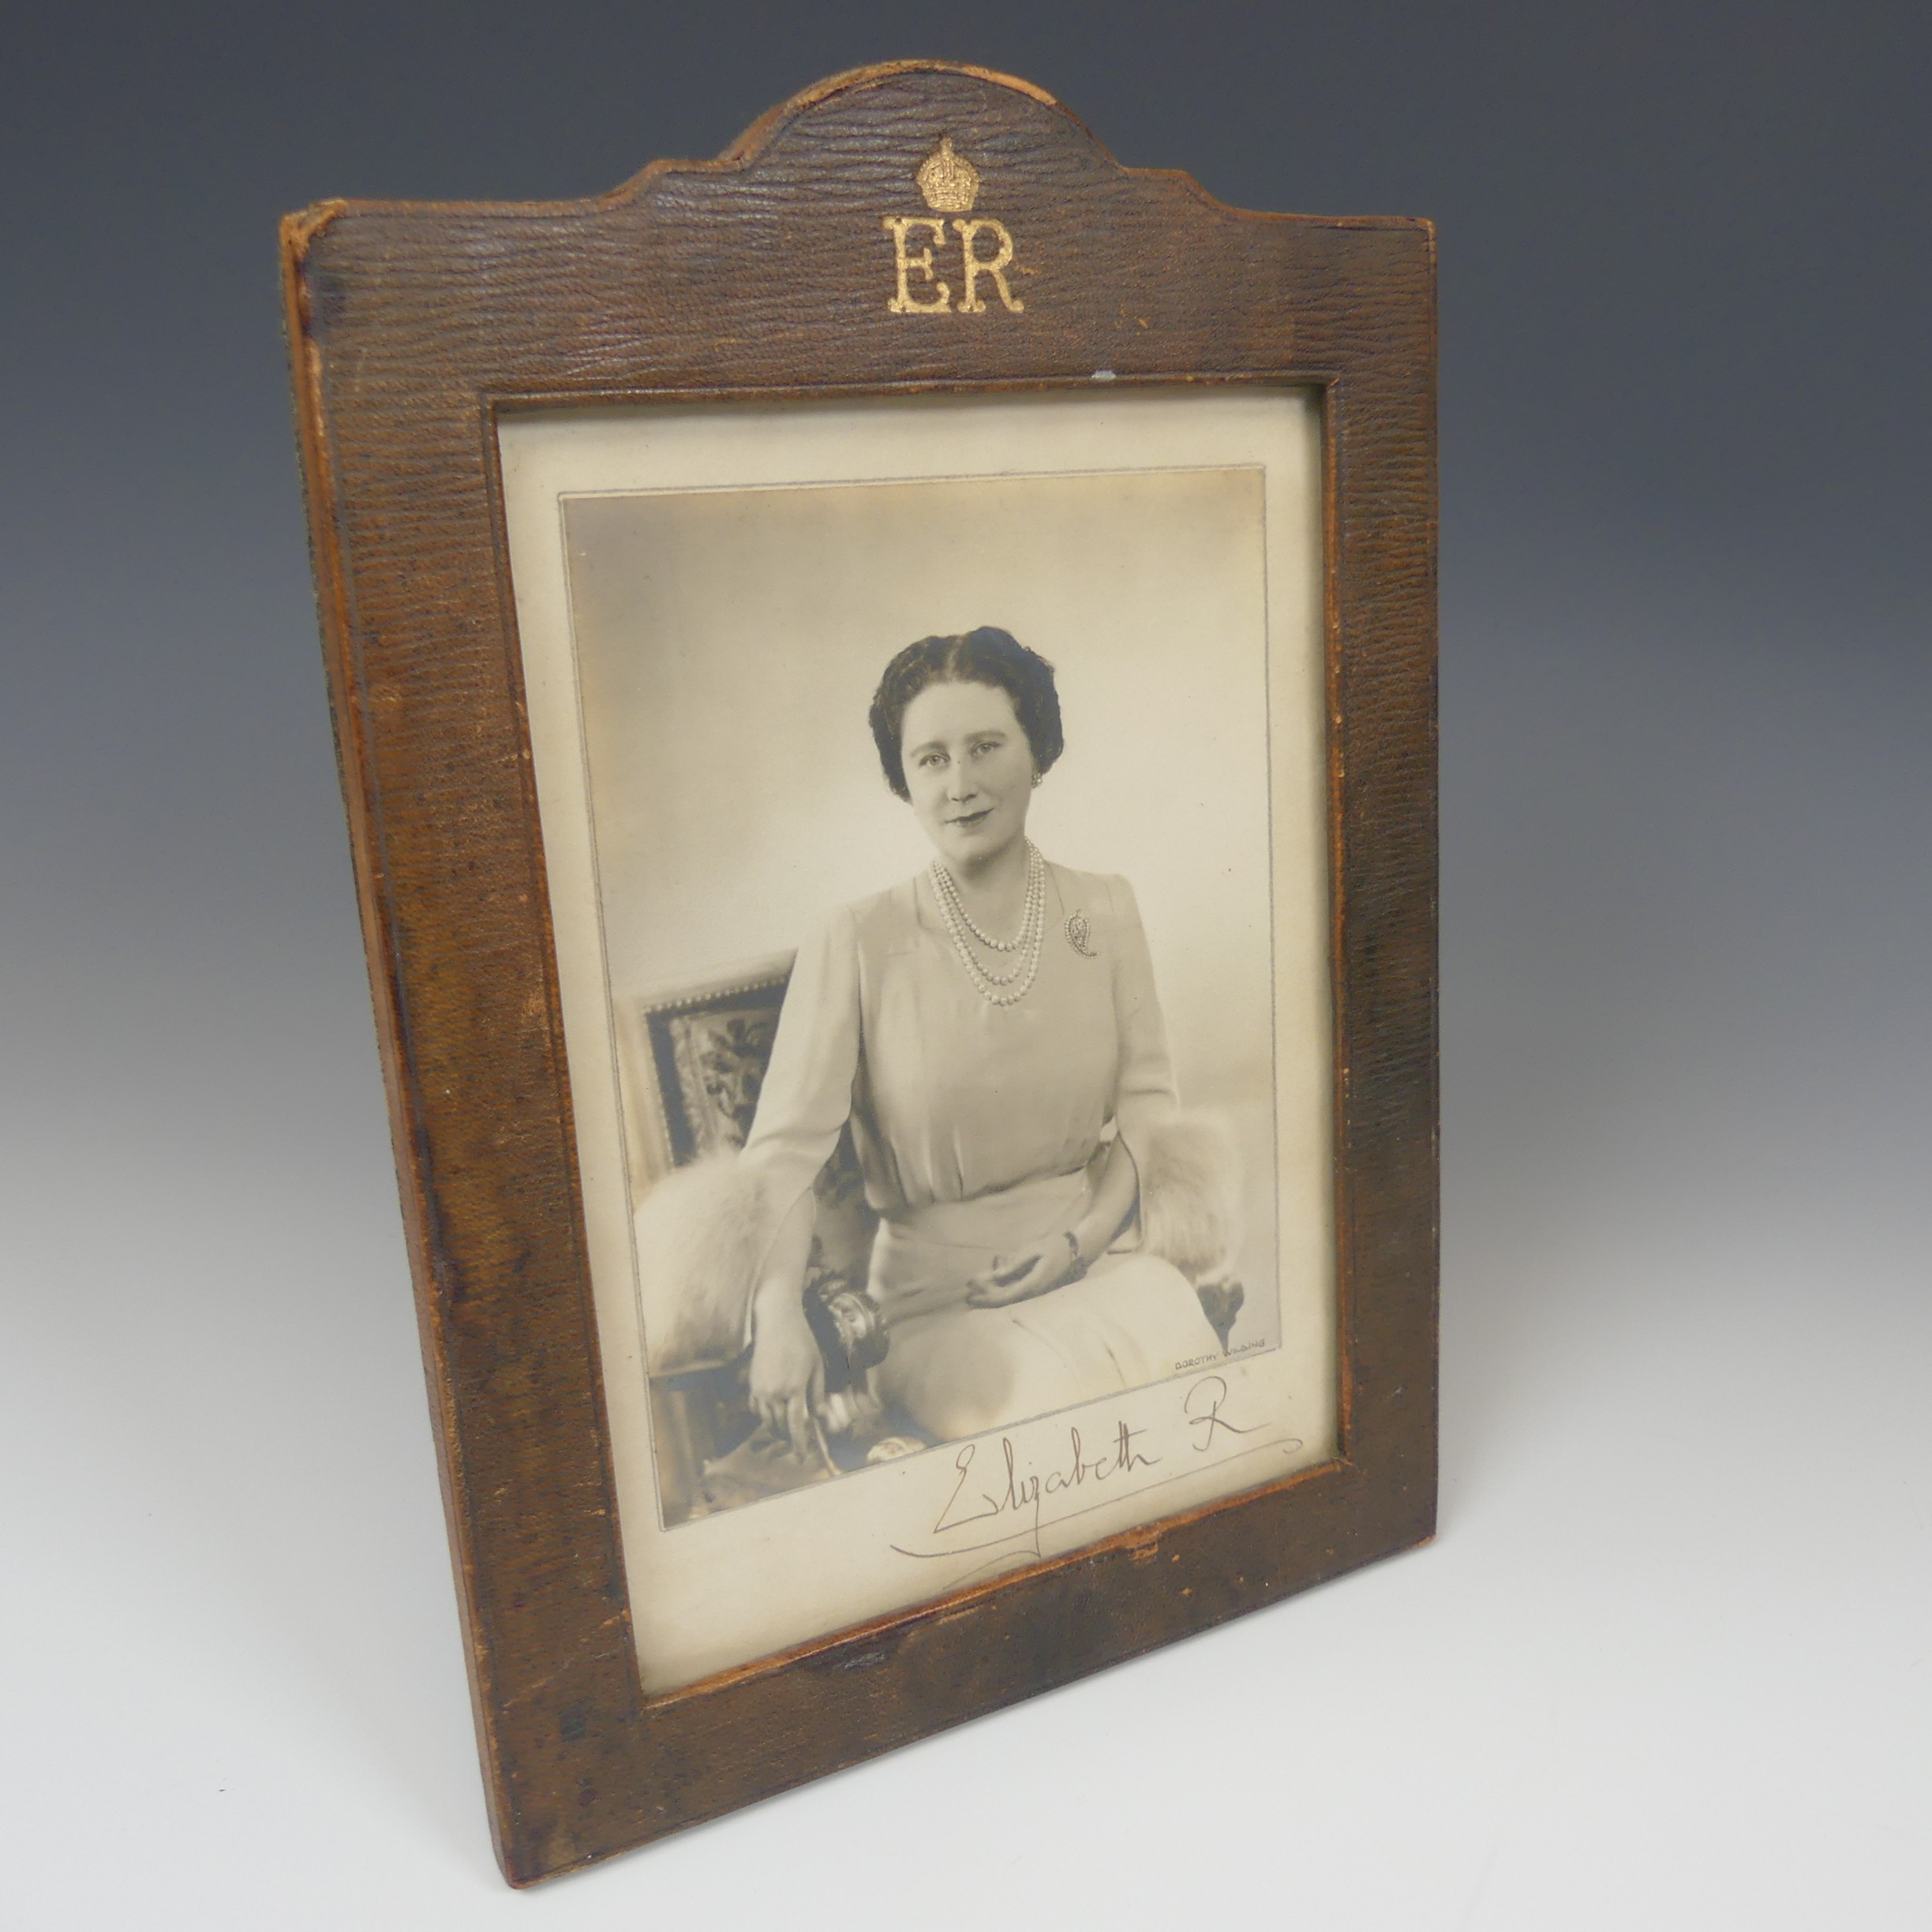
1666	1664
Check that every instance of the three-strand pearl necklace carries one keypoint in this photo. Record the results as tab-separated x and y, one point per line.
1006	989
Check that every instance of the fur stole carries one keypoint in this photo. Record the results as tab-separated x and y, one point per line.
701	1236
1191	1193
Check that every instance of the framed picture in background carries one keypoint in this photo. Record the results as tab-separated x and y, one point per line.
885	693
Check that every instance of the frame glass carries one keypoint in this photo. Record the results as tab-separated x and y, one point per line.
706	599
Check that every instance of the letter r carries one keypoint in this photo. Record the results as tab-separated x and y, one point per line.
994	265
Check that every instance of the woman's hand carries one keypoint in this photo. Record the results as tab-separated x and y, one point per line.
787	1372
1031	1271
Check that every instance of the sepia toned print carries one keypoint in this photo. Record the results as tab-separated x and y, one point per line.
943	969
1049	1226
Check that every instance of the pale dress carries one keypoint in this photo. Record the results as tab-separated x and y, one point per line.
979	1129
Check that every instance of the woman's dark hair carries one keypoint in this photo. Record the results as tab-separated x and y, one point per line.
982	657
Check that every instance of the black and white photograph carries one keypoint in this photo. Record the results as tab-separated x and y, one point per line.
953	903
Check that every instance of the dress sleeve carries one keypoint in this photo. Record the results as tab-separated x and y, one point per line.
1145	1094
807	1094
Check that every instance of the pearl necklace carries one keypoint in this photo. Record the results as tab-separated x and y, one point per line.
948	890
1006	989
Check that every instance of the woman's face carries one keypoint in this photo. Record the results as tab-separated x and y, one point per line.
969	769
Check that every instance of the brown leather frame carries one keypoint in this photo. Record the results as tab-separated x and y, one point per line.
764	275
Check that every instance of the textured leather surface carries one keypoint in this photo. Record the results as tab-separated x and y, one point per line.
766	274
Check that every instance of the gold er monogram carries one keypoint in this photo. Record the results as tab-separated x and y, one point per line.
950	184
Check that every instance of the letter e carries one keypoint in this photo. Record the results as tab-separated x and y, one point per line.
921	263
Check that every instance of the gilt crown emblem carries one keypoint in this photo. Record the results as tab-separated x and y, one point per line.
949	182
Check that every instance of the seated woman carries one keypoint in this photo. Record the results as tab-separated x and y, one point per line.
989	1030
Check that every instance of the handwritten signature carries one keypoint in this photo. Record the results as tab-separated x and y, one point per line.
1032	1497
1021	1493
